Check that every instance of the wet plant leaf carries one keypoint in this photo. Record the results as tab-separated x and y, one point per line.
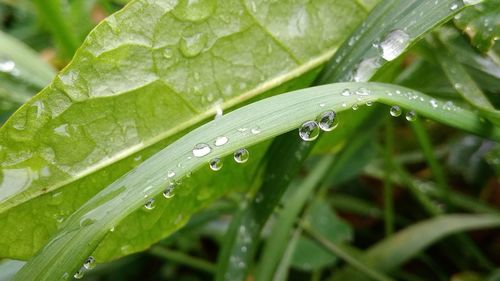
142	79
82	232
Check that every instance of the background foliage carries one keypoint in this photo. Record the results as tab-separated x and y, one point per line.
376	198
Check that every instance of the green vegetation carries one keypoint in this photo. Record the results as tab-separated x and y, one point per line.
250	140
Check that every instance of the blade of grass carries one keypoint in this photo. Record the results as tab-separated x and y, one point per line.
277	243
390	253
388	197
426	145
462	81
80	234
386	17
338	251
50	11
182	258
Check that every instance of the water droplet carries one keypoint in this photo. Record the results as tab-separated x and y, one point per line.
366	69
369	103
79	274
433	103
394	44
220	141
150	204
201	150
363	92
256	130
7	66
395	111
453	6
346	92
322	105
411	116
309	131
327	121
168	53
215	164
191	46
169	191
194	10
170	174
354	107
471	2
241	155
89	263
218	110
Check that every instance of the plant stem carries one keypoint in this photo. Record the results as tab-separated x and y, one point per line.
388	203
336	250
182	258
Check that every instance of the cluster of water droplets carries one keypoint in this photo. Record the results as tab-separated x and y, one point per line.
326	121
88	264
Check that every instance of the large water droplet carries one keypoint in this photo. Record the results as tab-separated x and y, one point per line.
194	10
309	131
150	204
201	150
411	116
327	120
89	263
220	141
191	46
7	66
241	155
394	44
395	111
215	164
366	69
169	191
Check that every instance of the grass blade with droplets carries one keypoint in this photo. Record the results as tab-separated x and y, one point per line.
80	234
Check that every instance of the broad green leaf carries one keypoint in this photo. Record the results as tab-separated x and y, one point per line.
394	251
481	23
82	232
142	78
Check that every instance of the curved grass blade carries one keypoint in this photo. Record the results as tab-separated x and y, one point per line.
85	228
392	252
463	82
23	64
357	60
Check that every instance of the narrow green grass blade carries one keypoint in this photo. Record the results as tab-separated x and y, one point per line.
371	46
80	234
276	244
23	63
394	251
358	60
388	190
354	262
50	11
426	145
463	82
